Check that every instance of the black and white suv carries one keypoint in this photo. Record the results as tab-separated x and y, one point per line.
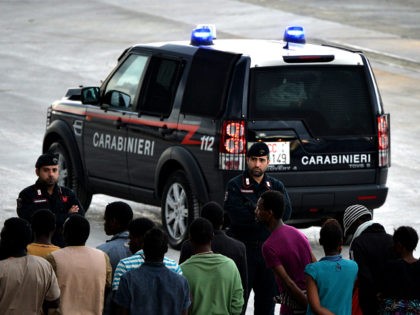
172	122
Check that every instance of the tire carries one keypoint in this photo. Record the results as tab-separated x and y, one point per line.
179	208
71	175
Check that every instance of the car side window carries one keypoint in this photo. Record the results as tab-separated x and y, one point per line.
160	86
122	88
208	82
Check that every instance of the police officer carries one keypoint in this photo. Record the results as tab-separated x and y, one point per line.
47	194
241	199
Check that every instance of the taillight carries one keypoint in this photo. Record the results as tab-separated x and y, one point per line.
384	150
232	145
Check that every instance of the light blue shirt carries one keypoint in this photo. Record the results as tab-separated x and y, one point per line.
116	248
136	261
334	277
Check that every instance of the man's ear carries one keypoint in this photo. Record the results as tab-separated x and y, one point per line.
114	222
37	171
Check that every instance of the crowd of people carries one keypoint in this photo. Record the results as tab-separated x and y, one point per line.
242	246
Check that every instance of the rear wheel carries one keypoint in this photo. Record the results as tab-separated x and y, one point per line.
179	208
71	176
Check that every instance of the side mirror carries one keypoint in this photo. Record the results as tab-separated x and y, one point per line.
90	95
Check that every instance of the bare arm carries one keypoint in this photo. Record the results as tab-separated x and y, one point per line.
313	258
313	298
290	285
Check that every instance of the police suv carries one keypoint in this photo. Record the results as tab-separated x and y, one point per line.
172	122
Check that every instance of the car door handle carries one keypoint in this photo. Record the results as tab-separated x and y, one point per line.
119	123
164	130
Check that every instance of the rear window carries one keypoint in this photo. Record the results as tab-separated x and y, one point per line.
331	101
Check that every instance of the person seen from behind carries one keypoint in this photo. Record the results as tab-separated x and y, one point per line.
83	272
28	284
117	217
137	230
400	289
152	288
286	252
330	281
43	227
214	280
370	247
221	243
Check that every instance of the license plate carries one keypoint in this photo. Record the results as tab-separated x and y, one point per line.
279	152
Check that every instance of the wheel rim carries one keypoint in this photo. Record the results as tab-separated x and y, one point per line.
63	171
176	211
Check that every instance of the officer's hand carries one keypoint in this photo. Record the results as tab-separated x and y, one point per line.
74	209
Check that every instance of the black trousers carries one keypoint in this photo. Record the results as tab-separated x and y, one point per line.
261	280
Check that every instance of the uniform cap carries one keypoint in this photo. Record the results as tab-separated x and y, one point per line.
47	159
258	149
352	214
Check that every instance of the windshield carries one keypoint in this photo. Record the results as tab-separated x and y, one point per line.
330	100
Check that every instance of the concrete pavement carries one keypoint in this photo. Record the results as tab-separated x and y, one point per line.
238	19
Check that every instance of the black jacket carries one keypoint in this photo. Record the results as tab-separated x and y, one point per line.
241	199
36	197
371	250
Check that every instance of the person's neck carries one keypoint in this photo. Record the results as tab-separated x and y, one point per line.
154	261
258	179
274	224
333	252
75	244
118	231
408	257
48	188
202	249
17	253
43	239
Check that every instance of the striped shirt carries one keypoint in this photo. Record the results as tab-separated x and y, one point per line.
135	261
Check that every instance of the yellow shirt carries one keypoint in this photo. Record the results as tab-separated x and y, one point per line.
40	249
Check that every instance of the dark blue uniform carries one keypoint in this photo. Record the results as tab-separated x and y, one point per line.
36	197
241	199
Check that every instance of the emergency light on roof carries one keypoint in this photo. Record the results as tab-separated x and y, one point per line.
294	34
203	34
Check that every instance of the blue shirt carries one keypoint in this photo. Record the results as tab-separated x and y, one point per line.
136	261
153	289
334	277
117	248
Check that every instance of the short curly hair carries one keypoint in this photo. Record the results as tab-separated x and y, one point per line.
407	237
331	235
273	200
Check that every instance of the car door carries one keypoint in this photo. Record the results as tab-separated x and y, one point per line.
106	142
155	127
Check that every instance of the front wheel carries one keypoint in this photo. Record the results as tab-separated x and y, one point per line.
179	208
71	176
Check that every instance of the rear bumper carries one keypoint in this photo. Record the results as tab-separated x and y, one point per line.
312	203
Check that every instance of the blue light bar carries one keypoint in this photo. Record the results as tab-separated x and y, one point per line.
203	35
294	34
